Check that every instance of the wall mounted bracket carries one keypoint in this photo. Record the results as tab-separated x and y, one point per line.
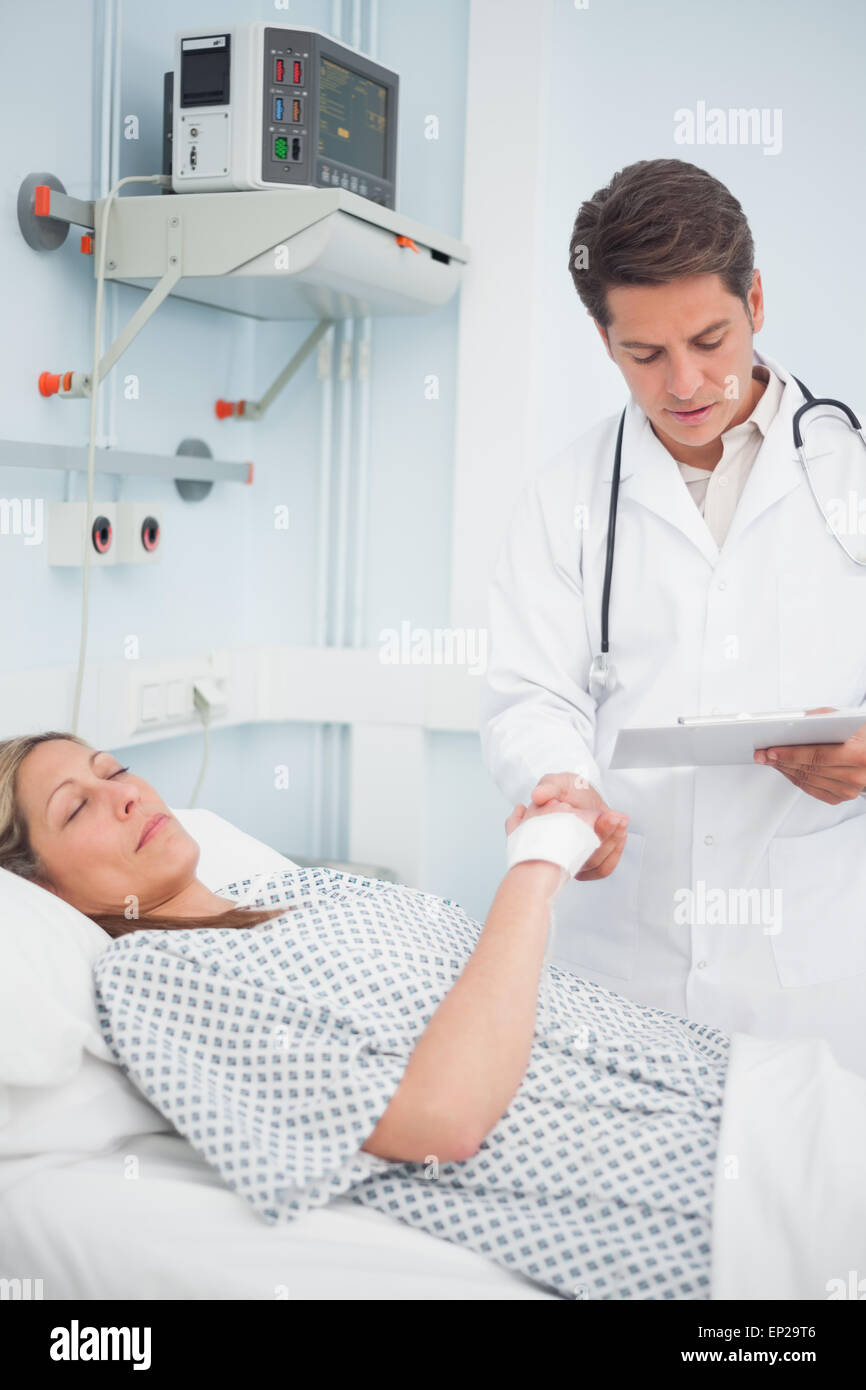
48	203
200	469
254	410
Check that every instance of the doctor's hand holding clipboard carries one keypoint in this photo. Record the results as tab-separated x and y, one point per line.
831	772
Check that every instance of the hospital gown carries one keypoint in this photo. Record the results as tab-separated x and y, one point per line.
275	1050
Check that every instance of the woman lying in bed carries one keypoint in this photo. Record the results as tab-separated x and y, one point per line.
313	1033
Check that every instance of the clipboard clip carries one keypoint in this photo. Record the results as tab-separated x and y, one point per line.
694	719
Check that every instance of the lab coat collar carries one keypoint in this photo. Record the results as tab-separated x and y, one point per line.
650	476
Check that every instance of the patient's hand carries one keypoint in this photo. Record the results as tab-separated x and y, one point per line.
551	807
566	792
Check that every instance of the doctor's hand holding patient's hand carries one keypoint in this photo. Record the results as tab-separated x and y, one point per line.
831	772
550	807
573	794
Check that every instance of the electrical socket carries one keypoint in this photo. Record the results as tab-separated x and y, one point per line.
65	533
138	540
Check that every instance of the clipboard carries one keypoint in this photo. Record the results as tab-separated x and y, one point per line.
729	740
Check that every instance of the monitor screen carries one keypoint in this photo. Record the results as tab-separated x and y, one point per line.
352	118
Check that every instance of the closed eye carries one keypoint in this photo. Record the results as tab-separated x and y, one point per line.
84	802
706	347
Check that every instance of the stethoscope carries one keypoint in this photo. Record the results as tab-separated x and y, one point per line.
602	674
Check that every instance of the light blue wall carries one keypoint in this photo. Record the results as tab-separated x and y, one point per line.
227	577
617	73
46	309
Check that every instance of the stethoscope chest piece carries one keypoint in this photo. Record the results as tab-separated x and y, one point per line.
603	679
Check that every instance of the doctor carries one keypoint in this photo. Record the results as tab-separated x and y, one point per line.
733	895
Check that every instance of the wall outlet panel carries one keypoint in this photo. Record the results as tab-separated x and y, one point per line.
65	534
139	533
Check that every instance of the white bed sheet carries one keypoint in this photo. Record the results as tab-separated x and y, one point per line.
176	1232
789	1218
789	1212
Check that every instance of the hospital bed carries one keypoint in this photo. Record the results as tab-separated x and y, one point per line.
100	1198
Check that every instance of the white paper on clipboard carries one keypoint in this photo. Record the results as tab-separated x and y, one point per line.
730	742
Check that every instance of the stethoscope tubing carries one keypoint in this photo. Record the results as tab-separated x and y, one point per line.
808	404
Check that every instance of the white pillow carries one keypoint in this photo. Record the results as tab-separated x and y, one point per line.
49	1027
89	1113
226	852
47	1009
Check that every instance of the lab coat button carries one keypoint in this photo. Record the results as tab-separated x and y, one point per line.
708	840
702	965
722	584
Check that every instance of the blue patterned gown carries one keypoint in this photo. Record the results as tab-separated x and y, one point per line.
275	1050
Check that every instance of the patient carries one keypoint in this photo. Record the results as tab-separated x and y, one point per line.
338	1034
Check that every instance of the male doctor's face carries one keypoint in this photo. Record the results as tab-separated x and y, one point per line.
685	350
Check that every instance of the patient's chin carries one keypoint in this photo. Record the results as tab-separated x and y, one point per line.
193	849
180	860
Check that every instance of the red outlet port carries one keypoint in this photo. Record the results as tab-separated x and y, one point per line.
101	535
279	70
297	72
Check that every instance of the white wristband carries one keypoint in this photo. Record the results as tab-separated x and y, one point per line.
561	838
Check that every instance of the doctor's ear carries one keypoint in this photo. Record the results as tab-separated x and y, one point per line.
756	302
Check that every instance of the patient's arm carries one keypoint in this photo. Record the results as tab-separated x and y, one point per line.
472	1055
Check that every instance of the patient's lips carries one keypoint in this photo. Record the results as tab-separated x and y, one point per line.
152	828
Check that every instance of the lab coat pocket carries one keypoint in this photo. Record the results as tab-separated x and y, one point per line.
822	917
600	929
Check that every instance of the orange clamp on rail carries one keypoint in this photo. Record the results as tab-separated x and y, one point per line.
226	409
407	241
49	384
42	200
251	467
87	244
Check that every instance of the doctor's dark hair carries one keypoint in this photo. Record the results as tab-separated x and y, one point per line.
659	220
19	857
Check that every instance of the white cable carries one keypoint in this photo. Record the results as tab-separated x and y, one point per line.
91	444
204	713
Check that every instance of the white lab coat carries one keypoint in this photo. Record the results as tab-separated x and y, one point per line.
775	620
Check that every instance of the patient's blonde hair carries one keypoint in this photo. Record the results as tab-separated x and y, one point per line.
18	856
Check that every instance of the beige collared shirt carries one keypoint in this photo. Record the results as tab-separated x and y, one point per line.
717	491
